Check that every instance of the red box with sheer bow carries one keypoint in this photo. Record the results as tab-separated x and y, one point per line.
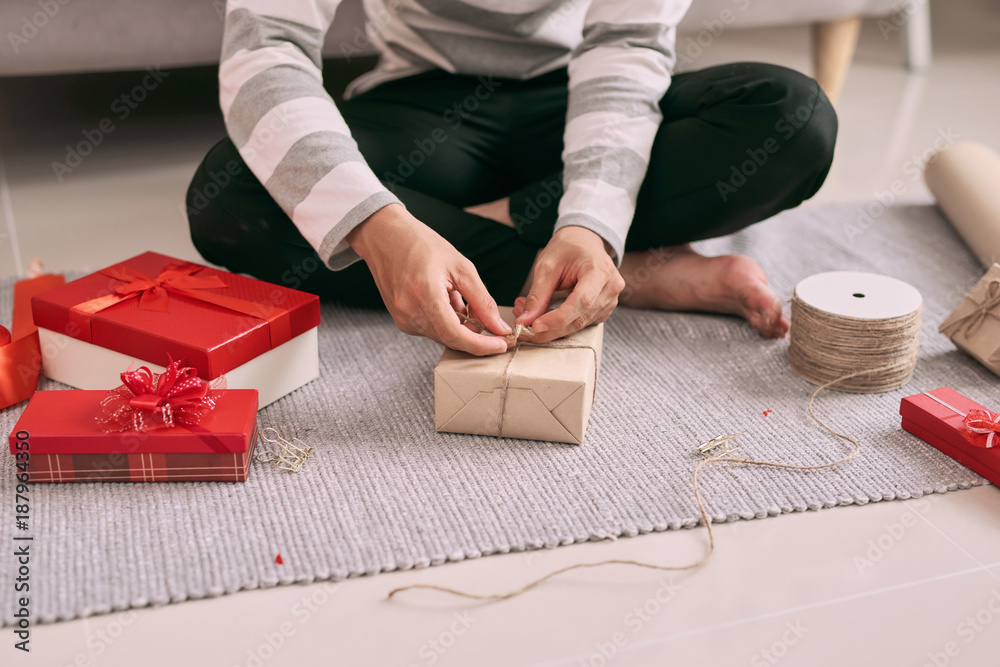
84	436
150	308
958	427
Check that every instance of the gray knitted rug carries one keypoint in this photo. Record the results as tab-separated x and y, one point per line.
385	492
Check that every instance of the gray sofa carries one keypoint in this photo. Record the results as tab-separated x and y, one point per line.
47	36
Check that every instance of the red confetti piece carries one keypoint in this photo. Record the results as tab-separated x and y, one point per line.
767	412
278	560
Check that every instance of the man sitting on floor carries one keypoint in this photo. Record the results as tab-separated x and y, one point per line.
503	156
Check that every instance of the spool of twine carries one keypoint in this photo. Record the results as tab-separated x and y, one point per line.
824	347
862	354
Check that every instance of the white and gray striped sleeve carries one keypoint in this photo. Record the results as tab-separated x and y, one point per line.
617	76
286	126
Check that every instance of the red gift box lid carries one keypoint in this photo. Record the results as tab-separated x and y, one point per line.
922	415
214	329
64	422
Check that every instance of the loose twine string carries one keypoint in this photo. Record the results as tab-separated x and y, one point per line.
894	342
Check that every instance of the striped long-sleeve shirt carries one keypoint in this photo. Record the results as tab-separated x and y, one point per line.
619	55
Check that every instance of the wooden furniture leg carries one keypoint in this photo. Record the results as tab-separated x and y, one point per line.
833	49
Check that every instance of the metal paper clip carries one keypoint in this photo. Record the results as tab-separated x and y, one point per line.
717	441
287	455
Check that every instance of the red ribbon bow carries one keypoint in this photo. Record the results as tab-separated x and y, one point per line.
147	401
981	423
152	292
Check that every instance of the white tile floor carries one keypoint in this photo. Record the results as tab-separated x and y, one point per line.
902	583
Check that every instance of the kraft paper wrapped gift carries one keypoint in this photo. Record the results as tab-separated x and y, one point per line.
974	326
550	389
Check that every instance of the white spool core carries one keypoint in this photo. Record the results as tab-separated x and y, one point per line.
866	296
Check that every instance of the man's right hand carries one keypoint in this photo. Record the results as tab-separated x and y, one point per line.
425	282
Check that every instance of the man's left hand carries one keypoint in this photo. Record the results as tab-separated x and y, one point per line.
574	259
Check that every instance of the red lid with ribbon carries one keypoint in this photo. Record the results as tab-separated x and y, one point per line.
958	426
154	307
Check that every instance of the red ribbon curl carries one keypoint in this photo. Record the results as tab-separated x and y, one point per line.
982	427
148	401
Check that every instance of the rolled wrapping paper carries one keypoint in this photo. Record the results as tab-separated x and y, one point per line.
965	180
863	325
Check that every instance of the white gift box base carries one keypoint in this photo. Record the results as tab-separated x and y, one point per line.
273	374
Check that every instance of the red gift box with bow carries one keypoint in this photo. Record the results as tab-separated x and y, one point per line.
958	427
153	428
151	307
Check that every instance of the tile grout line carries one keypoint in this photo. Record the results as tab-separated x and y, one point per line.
8	213
790	610
953	542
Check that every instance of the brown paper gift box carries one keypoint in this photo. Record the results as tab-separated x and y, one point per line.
549	393
974	326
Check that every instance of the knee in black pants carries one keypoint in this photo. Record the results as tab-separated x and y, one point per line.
214	231
236	223
800	139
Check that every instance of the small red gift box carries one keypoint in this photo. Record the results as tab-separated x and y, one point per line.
151	307
942	424
59	440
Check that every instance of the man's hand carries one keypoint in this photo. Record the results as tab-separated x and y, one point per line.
575	258
425	282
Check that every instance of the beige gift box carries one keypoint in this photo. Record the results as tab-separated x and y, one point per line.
550	389
974	326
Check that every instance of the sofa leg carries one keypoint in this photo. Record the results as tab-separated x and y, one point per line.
918	39
833	49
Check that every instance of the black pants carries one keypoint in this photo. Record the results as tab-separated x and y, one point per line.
738	144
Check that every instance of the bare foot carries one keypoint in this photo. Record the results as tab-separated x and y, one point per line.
498	210
680	279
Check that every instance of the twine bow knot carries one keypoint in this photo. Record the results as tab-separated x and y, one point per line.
513	337
983	310
147	401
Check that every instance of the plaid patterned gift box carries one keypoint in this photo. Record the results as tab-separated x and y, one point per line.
58	439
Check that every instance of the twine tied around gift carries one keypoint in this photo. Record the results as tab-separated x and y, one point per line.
977	422
971	322
726	456
514	336
148	401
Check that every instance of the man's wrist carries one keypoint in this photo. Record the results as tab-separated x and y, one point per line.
378	225
586	235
